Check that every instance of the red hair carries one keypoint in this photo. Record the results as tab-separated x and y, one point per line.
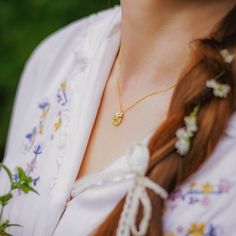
167	167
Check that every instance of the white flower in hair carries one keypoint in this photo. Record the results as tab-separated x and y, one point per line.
227	55
219	90
191	124
183	146
184	135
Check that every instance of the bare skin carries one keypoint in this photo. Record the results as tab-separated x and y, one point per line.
154	50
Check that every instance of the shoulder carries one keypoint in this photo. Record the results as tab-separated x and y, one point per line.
70	34
80	35
79	26
50	59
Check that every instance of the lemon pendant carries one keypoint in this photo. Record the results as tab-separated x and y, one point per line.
117	118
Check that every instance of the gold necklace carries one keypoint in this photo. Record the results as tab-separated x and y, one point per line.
117	118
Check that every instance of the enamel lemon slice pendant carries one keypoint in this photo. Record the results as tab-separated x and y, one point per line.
117	118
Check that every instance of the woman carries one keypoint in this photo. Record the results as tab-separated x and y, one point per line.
172	65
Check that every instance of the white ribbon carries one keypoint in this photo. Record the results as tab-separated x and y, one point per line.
137	193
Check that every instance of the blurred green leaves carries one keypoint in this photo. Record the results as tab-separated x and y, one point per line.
23	24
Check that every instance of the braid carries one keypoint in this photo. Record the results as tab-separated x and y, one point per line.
167	167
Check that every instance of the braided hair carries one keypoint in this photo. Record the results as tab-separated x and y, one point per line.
166	166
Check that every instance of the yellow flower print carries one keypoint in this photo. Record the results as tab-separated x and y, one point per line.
207	188
62	98
57	124
196	229
44	113
44	107
40	129
192	184
63	86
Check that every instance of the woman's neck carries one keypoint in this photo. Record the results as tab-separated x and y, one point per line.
155	36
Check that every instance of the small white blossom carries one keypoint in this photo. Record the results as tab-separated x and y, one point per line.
191	124
182	146
228	56
182	133
185	134
219	90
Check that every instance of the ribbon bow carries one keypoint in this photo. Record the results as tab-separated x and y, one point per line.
138	193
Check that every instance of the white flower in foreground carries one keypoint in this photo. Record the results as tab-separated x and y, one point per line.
228	56
219	90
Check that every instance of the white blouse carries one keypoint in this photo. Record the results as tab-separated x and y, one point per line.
94	196
54	111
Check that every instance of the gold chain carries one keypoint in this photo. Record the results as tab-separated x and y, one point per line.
118	116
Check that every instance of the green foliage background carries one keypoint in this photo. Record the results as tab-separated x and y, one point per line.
23	24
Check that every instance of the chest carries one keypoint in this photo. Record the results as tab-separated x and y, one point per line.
107	142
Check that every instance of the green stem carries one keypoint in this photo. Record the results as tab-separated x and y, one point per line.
1	214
